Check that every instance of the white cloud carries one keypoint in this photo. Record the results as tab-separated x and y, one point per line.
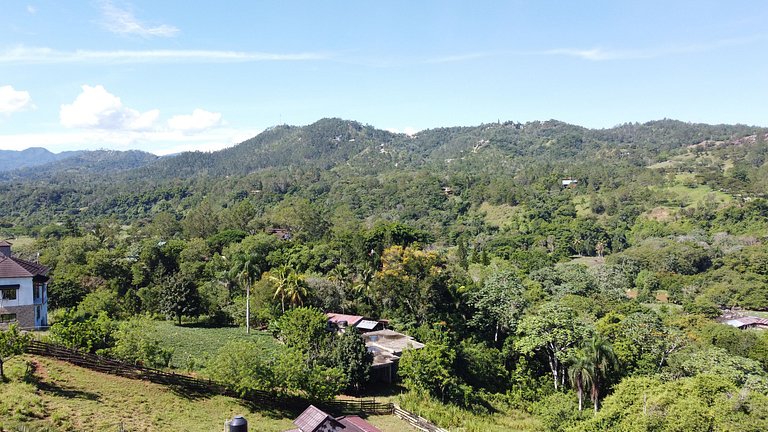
96	108
12	100
408	130
43	55
157	142
122	21
199	120
31	9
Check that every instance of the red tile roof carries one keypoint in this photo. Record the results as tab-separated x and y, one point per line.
12	267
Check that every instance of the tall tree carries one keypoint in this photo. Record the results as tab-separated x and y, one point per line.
599	357
279	278
245	268
580	374
179	296
553	330
499	303
350	354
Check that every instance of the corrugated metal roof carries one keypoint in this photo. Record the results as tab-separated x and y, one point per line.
357	424
747	321
311	419
337	318
367	324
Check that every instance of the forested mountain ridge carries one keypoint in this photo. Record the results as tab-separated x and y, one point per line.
343	160
94	162
548	268
33	156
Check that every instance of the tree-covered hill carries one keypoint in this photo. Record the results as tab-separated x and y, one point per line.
33	156
380	174
84	163
547	267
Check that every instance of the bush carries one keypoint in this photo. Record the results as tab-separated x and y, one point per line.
135	343
88	333
241	366
558	411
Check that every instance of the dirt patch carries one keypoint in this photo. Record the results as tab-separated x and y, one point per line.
39	369
661	214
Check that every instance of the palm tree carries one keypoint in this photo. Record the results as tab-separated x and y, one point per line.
245	268
288	284
280	278
296	290
580	374
600	357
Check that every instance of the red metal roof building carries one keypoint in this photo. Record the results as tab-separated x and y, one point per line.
314	419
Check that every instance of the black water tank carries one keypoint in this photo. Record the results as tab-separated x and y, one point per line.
238	424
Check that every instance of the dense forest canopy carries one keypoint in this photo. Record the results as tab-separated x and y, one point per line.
547	267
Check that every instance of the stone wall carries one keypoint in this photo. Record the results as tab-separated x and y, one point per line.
25	315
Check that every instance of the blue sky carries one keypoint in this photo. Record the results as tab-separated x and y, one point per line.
167	76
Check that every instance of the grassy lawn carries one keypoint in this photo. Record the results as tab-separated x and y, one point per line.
583	205
193	346
62	397
457	419
498	215
759	314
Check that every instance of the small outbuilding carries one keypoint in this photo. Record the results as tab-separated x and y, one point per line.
387	346
750	322
313	419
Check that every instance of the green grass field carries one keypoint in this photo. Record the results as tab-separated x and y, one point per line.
62	397
498	215
193	346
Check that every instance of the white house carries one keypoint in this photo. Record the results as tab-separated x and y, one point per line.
23	291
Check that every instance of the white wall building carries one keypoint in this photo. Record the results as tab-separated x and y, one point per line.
23	291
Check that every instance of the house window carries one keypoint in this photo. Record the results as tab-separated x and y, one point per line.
6	318
9	292
37	290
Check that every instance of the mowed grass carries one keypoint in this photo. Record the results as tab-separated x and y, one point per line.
194	346
63	397
498	215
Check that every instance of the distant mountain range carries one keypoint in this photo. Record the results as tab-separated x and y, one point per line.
33	156
37	161
375	171
330	143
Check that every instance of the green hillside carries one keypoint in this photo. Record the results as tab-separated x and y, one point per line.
549	269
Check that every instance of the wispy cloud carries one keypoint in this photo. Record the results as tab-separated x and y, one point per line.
462	57
602	54
122	21
37	55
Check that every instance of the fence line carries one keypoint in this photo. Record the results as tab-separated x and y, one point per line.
415	420
127	370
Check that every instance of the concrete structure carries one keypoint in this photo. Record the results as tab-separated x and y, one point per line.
339	322
387	346
23	291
